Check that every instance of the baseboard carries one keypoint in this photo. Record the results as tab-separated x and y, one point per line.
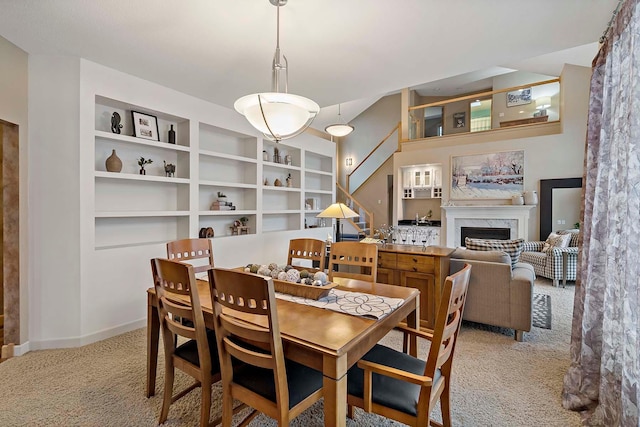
19	350
86	339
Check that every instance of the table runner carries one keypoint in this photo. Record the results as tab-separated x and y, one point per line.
354	303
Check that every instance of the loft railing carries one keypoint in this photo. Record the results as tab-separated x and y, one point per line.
363	224
521	105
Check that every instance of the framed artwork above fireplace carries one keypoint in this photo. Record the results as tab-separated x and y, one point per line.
487	176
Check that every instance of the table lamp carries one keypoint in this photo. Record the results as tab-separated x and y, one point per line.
338	211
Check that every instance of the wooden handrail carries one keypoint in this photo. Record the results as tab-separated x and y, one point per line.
482	94
360	206
375	148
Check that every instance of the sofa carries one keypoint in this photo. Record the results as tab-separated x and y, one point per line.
550	263
498	294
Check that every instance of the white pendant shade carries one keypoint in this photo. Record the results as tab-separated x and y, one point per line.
339	130
286	114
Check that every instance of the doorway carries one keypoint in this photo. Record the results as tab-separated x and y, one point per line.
10	237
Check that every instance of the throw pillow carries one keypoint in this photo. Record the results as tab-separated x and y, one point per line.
512	247
556	241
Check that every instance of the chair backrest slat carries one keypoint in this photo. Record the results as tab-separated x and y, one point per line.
187	250
307	249
362	257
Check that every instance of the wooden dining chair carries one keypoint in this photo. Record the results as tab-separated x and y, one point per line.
404	388
258	373
307	249
197	252
353	260
177	294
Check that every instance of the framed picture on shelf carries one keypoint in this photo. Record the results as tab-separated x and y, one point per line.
519	97
145	126
487	176
458	120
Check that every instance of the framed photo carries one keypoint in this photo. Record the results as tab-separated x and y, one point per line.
487	176
519	97
459	120
145	126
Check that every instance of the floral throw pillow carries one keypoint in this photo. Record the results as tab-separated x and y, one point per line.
556	241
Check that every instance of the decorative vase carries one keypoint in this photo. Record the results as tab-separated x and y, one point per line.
265	155
530	198
142	171
172	135
517	199
113	163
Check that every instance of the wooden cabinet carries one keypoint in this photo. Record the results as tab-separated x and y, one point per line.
413	266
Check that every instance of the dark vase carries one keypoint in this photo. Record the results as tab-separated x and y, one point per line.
142	171
172	135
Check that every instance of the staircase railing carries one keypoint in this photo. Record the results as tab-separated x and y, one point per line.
365	216
375	153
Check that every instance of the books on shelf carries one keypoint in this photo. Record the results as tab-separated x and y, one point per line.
222	206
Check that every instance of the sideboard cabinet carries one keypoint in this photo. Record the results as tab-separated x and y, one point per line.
423	269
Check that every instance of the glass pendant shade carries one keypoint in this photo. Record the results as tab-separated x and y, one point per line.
339	130
277	115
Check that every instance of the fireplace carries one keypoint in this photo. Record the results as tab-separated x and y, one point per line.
484	233
513	217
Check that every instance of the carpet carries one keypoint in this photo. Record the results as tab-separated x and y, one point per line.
542	311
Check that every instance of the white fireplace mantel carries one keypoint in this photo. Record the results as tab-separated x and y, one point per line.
514	216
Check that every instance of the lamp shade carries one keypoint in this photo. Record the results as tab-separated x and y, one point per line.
543	102
339	129
337	210
277	115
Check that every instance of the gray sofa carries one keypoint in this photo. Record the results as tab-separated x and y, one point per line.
497	295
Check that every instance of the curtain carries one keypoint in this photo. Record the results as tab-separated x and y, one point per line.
603	378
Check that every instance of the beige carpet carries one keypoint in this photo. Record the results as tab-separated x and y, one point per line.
497	381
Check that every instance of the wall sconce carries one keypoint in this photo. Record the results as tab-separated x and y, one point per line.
348	161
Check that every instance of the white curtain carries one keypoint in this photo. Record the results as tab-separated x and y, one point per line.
603	379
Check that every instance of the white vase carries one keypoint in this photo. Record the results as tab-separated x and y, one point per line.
517	199
530	198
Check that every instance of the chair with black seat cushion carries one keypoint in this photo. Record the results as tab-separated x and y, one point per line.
353	260
177	294
404	388
312	250
258	373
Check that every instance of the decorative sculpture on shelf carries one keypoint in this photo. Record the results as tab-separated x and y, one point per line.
169	169
141	162
115	123
277	183
276	155
288	180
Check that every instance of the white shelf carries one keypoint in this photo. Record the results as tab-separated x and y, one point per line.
141	141
227	213
134	177
311	191
281	211
274	188
281	166
227	184
227	156
319	172
140	214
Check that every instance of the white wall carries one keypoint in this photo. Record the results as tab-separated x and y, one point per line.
546	157
104	291
13	108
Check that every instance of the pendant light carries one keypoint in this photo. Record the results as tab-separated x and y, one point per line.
340	128
278	115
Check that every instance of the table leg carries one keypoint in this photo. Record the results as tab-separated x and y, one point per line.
413	321
334	386
153	335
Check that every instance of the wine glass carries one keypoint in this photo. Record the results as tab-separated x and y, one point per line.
414	232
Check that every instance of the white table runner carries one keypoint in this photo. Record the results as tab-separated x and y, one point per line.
354	303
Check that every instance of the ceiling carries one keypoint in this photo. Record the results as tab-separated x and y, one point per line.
340	51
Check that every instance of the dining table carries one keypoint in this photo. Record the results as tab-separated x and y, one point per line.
326	340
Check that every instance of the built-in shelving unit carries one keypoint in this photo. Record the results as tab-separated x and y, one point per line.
131	207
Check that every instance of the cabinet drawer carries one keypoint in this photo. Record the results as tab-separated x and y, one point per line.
418	263
386	260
